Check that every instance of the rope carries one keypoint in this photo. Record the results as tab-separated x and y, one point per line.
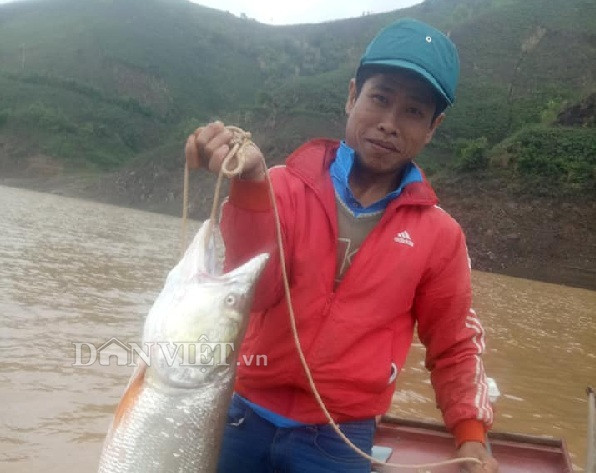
591	438
240	140
184	231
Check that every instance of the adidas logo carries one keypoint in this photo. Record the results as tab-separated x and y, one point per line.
404	237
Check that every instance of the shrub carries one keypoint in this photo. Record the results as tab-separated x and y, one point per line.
40	116
556	155
472	154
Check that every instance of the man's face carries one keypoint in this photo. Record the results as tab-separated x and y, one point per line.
391	120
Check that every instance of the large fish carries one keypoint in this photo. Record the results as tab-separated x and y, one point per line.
172	415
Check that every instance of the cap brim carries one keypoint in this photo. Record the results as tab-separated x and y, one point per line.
397	64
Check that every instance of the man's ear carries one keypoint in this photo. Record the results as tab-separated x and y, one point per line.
433	127
351	96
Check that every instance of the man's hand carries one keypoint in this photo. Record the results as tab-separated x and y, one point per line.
477	450
208	146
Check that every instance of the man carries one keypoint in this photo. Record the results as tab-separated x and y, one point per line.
369	256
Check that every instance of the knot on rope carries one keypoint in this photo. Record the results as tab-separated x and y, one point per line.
240	141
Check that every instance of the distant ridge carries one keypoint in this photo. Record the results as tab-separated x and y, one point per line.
98	82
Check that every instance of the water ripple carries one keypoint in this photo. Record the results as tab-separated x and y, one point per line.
74	271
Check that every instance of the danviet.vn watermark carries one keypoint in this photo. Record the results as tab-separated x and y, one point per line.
202	353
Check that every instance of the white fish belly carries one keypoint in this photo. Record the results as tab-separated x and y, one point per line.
170	430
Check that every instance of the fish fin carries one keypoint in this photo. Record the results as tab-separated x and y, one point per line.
202	256
215	255
130	395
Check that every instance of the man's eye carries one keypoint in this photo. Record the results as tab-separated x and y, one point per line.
380	99
414	111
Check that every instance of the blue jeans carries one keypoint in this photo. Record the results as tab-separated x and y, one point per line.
253	445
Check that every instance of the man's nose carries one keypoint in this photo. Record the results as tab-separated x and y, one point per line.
388	124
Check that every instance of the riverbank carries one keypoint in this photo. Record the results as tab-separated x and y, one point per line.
534	237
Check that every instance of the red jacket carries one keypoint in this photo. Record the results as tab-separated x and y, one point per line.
413	268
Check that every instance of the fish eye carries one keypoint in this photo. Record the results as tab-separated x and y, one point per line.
230	300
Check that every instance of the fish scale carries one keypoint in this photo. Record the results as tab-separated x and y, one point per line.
174	430
171	417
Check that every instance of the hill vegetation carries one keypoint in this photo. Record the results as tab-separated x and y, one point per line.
97	82
116	85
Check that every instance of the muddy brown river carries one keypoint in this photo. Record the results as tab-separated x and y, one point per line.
73	271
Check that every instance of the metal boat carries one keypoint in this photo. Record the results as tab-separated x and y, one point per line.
415	442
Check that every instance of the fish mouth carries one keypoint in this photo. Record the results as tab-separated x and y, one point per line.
249	272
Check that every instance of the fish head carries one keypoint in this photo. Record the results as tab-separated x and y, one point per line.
222	303
239	285
205	321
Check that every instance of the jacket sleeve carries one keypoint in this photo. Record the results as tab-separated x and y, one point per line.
454	338
248	228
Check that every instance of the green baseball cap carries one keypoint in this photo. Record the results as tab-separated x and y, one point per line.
418	47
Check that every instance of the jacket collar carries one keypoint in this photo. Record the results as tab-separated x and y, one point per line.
311	162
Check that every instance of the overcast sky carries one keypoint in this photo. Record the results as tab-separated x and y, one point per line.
304	11
279	12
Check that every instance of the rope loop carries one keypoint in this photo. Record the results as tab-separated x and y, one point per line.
240	141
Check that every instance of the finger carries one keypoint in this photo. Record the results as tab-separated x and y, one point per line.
485	467
192	153
205	134
211	139
198	131
491	466
472	467
223	138
217	158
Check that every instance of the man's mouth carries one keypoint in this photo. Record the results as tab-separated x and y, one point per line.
385	145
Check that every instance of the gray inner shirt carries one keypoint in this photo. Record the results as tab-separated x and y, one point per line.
352	231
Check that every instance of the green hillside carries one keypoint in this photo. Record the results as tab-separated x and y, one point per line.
96	83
